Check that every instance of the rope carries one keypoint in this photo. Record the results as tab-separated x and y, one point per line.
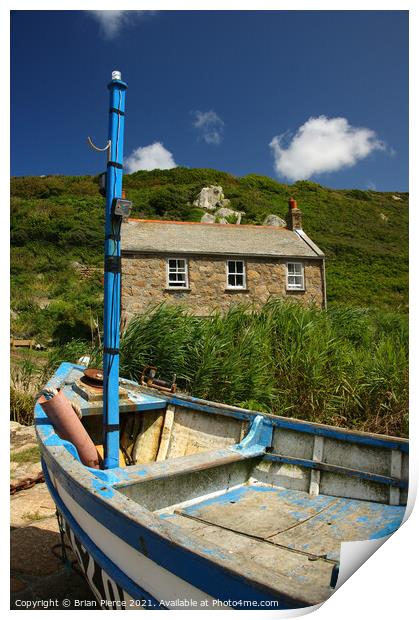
67	563
47	392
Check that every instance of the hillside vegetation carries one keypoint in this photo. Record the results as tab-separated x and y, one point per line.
57	231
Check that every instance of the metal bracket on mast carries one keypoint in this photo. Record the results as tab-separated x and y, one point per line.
97	148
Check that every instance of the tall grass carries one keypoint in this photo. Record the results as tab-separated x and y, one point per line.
345	367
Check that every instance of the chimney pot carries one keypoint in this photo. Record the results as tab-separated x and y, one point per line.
292	203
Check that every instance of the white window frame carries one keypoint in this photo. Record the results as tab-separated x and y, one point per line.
293	286
178	270
235	273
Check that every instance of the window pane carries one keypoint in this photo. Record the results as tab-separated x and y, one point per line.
235	273
177	272
295	276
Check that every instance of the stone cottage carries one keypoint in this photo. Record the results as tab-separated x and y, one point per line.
210	266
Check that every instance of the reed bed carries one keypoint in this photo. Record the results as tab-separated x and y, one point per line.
345	367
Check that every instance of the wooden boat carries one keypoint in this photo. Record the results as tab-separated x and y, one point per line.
223	504
204	505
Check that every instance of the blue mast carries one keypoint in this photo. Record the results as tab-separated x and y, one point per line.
112	269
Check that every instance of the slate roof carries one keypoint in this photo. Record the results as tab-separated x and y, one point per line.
158	236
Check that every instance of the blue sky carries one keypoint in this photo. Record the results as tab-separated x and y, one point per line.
318	95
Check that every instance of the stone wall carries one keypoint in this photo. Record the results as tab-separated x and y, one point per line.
144	283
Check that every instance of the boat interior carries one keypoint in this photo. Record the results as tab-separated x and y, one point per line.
280	495
242	506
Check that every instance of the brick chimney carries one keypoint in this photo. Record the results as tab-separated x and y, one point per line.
294	219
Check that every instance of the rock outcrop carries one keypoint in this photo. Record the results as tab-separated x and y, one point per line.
212	199
274	220
209	198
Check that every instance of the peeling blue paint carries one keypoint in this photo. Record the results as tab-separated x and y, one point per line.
390	528
294	498
258	438
103	490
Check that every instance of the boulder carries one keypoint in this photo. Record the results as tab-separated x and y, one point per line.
209	197
274	220
208	218
224	213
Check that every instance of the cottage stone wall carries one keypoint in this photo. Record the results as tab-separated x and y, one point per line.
144	283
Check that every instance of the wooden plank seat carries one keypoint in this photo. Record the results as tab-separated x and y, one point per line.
185	464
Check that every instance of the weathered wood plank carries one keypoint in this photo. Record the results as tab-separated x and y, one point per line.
258	510
182	465
396	472
166	433
258	555
194	431
147	443
312	428
345	520
317	457
337	469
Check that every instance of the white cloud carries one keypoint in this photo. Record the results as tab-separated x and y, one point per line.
112	22
149	158
209	125
322	145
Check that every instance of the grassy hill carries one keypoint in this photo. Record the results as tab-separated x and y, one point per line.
57	230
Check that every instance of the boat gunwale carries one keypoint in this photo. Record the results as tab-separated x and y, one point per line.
207	406
303	426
